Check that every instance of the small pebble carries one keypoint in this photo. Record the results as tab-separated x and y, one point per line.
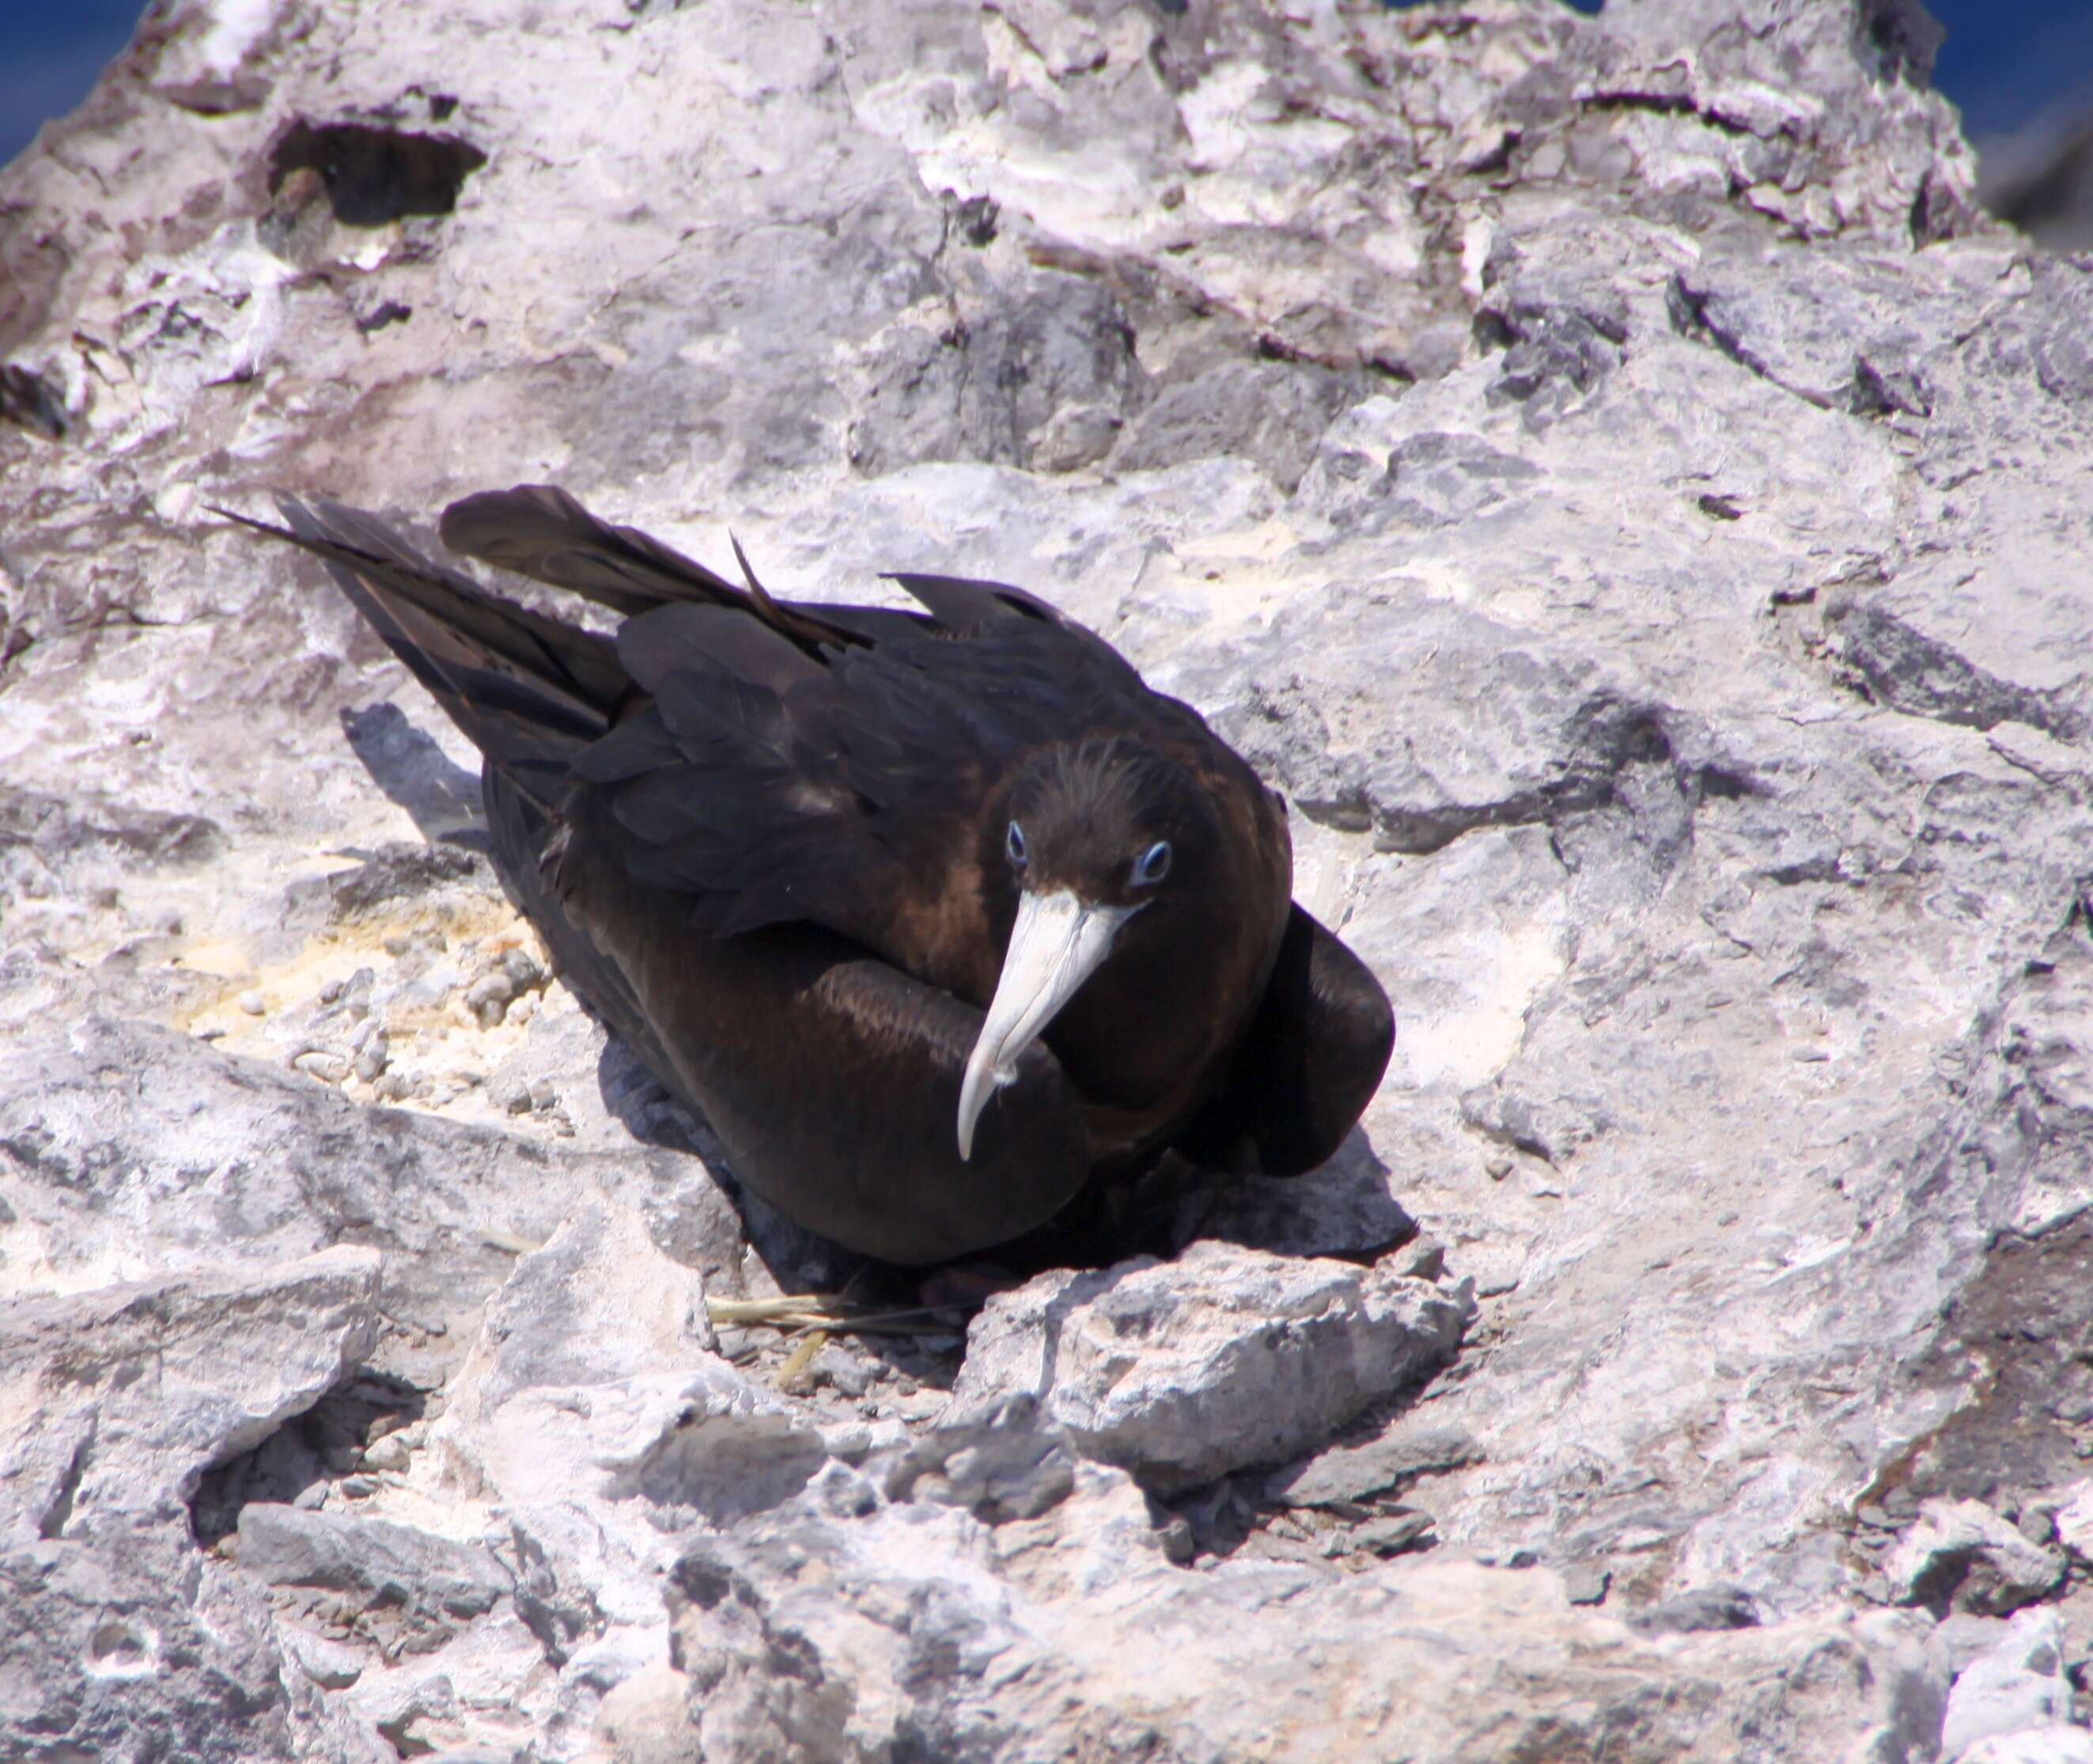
1390	1536
842	1492
389	1453
510	1095
1423	1259
2037	1524
355	994
359	1488
849	1442
488	998
1586	1584
920	1405
374	1055
736	1345
1498	1168
845	1372
328	1664
253	1003
522	968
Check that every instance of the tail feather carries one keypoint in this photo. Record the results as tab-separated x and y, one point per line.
581	664
540	531
528	691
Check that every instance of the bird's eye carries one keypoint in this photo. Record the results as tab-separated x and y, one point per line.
1154	864
1013	842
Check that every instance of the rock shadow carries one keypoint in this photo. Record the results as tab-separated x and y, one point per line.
374	176
1344	1504
1343	1208
308	1456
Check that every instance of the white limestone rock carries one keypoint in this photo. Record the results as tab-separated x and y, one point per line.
1182	1371
915	1625
2074	1519
116	1400
119	1636
2015	1684
2055	1744
1962	1554
412	1589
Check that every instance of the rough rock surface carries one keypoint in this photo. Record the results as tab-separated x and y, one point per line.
1183	1371
1960	1554
1604	470
2016	1685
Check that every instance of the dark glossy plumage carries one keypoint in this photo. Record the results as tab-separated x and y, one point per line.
847	878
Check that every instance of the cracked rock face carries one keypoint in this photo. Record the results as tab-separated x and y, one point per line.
1183	1372
1602	469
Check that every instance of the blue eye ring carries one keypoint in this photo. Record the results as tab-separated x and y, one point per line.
1152	865
1013	846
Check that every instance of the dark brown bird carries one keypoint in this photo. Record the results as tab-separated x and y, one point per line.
936	916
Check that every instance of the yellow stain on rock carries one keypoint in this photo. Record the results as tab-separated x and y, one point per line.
430	1034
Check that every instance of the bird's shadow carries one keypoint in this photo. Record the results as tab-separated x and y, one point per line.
1343	1208
442	796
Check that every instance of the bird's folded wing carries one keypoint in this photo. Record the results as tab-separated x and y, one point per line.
1310	1063
835	1077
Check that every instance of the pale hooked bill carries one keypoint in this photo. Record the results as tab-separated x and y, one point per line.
1058	942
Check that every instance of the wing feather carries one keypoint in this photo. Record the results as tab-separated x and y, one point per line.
540	531
770	761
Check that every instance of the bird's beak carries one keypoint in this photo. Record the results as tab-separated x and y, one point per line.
1056	944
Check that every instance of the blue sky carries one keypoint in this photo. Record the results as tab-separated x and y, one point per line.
2005	59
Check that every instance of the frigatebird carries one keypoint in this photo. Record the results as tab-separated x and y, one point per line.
937	917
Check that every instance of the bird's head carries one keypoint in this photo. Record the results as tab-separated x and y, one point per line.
1092	847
